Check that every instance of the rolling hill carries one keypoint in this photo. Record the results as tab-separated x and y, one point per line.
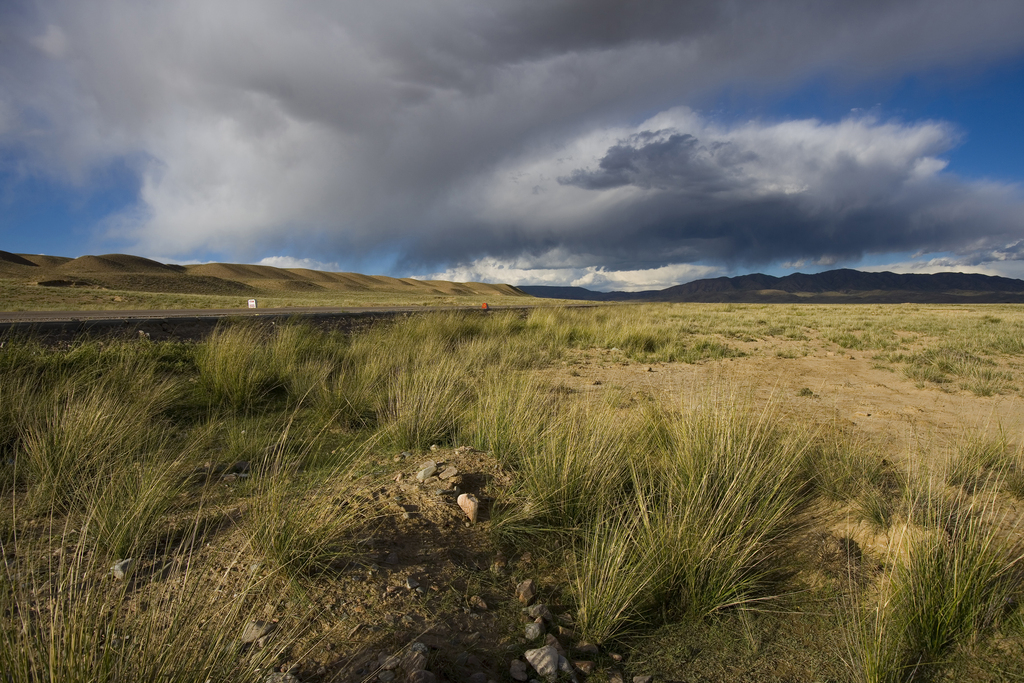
124	272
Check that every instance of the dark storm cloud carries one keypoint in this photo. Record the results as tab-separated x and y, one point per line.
757	194
678	162
426	129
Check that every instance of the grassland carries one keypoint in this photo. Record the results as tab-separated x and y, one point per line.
690	486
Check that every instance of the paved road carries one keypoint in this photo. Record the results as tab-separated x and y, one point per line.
74	316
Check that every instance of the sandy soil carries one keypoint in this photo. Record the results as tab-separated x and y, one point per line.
875	400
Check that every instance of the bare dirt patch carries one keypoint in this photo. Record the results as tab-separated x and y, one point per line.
876	400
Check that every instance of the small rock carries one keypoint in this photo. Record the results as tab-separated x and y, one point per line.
541	611
526	558
478	677
518	670
449	472
585	667
477	603
414	661
421	676
419	647
386	676
412	584
388	662
544	661
533	630
392	558
616	656
120	568
587	648
280	677
426	473
433	447
240	467
615	677
643	679
553	642
526	591
255	630
470	505
567	633
499	564
398	477
565	667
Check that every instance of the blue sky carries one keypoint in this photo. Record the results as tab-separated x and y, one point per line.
603	144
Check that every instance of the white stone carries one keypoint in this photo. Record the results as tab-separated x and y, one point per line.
470	505
544	661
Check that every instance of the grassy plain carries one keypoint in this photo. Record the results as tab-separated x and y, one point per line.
705	492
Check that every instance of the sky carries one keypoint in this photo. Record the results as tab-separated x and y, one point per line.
596	143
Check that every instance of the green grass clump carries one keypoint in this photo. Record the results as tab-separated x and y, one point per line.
733	481
62	623
303	529
616	573
75	434
236	367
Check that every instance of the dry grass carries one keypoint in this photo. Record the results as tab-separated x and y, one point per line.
253	462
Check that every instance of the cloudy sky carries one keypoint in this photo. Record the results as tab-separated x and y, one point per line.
600	143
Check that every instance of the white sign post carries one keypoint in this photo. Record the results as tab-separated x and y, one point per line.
252	303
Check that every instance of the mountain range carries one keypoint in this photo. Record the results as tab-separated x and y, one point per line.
843	285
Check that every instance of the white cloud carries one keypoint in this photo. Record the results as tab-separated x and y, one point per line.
291	262
53	42
590	277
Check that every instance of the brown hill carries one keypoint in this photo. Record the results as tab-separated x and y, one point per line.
125	272
44	261
9	258
116	263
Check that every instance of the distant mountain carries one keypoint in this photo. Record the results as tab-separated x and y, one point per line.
834	286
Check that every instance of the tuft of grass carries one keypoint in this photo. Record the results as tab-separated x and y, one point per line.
573	472
236	367
951	589
616	571
301	525
423	402
955	587
76	433
67	623
976	459
510	413
733	480
129	505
